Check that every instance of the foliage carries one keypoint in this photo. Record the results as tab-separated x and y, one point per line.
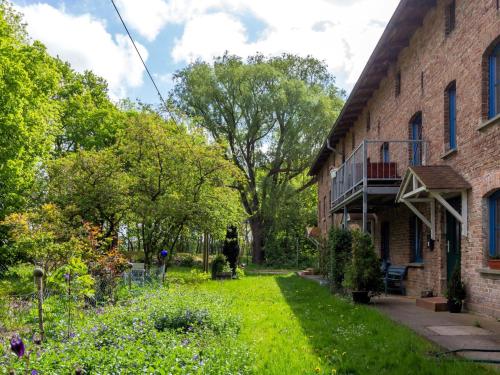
456	288
77	274
363	272
17	280
44	237
339	247
175	331
28	83
231	249
272	112
218	265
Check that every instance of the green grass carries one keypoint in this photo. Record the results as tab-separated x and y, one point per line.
295	326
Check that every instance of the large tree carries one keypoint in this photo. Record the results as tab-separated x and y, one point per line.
273	113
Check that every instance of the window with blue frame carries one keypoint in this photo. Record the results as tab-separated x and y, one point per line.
494	221
494	82
451	112
416	240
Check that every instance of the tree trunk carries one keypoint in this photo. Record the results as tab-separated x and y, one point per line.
257	228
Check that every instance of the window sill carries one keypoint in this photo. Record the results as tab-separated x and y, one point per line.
449	153
416	265
492	121
488	272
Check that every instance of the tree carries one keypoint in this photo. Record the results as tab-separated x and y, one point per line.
92	186
273	114
178	181
231	249
28	115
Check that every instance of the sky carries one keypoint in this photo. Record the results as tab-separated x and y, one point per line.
172	33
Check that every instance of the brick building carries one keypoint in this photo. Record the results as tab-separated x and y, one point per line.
414	157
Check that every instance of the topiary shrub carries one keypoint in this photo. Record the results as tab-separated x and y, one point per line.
363	272
339	253
231	249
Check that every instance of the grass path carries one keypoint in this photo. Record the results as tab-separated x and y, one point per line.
296	327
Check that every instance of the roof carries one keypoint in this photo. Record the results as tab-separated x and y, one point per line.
407	18
439	177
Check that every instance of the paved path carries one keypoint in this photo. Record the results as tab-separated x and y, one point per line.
449	331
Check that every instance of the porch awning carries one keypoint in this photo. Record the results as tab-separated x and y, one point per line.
428	184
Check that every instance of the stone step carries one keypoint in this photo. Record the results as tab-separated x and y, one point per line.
433	303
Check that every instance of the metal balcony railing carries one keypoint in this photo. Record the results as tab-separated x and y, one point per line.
376	163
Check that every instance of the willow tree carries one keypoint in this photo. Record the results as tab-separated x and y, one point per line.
272	112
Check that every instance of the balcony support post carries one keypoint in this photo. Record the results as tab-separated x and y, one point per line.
365	188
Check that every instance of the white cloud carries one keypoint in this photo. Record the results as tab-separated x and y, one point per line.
85	43
341	32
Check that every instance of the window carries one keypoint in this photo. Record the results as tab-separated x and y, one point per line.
494	82
416	240
368	121
397	84
450	17
451	116
384	153
494	221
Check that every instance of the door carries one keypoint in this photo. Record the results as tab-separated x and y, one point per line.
416	135
453	234
384	241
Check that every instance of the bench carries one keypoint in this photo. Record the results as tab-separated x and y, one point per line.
394	279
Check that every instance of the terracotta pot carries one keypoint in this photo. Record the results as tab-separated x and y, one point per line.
494	264
454	307
360	297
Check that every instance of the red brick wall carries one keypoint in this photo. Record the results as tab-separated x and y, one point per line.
442	59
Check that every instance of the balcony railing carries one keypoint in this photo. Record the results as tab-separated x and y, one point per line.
380	163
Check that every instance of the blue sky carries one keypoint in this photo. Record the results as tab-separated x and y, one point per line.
172	33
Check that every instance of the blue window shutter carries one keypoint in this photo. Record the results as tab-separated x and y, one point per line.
492	92
494	222
452	95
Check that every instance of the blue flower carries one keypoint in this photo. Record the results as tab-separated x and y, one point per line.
34	372
17	345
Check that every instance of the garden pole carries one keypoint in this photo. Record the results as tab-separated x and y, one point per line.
130	266
38	274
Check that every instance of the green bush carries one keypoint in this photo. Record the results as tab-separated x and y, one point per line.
218	265
363	272
338	256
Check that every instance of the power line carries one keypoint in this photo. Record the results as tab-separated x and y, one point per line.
140	56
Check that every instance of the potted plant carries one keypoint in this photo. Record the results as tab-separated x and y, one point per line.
494	262
363	276
456	291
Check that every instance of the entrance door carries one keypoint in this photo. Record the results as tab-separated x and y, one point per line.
453	234
384	241
416	135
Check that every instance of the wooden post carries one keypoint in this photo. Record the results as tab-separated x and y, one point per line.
38	274
205	252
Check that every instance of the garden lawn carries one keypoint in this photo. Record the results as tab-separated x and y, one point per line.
294	326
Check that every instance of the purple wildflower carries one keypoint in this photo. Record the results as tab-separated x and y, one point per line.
34	372
17	345
67	276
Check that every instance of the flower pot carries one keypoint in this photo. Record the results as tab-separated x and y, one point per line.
360	297
454	307
494	264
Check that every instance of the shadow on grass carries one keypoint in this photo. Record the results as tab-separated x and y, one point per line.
359	340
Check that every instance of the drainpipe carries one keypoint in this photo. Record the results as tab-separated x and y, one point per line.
329	147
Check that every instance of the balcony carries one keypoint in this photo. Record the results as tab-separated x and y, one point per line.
370	177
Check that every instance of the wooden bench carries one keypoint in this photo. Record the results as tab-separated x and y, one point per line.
394	279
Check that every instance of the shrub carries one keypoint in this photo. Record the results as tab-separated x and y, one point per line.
231	249
363	272
339	253
183	320
218	265
456	288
